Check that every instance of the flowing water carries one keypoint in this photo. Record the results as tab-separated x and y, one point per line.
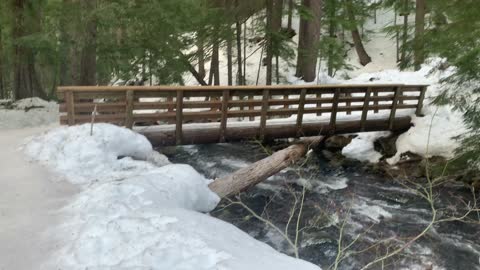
368	214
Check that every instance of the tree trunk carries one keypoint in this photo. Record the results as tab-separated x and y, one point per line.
403	55
363	56
331	34
88	62
201	55
229	41
269	42
229	61
238	35
276	29
2	83
26	83
290	14
261	170
215	67
419	51
308	41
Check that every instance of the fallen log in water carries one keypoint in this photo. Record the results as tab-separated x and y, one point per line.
261	170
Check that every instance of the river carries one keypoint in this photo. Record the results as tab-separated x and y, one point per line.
374	214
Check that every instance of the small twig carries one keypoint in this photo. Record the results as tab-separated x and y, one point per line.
94	113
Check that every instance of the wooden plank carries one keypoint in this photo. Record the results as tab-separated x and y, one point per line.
223	122
106	118
70	103
129	110
394	108
333	116
301	107
421	98
366	104
263	119
101	107
179	118
272	88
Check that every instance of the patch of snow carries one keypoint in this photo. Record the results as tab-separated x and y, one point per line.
111	153
133	214
28	103
30	112
362	147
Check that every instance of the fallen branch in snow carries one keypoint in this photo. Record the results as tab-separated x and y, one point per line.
261	170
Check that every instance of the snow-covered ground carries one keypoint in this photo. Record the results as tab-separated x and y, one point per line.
135	211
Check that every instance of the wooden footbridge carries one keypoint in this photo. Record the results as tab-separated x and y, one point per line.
170	115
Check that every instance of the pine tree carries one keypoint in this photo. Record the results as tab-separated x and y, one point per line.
454	36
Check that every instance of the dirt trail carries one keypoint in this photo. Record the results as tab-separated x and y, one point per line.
30	198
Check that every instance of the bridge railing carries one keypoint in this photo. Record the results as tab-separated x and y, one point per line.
153	105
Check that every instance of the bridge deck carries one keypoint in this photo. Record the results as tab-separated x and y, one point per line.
192	115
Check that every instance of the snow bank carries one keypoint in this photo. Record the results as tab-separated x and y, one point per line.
111	153
30	112
436	129
134	213
362	147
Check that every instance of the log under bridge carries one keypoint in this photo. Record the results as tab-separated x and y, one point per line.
175	115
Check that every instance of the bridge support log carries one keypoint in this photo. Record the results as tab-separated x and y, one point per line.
259	171
194	134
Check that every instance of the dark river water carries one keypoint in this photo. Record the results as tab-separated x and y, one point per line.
374	214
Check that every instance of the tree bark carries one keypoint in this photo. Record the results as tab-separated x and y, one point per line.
363	56
229	61
26	83
2	83
215	67
261	170
308	41
238	35
88	62
331	34
290	14
201	56
269	42
419	51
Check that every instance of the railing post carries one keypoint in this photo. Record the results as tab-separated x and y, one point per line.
70	102
285	106
366	105
319	104
251	107
263	118
333	116
179	117
393	110
223	123
301	107
129	109
348	103
421	98
375	103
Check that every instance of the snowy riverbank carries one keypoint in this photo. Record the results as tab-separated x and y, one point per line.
136	211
